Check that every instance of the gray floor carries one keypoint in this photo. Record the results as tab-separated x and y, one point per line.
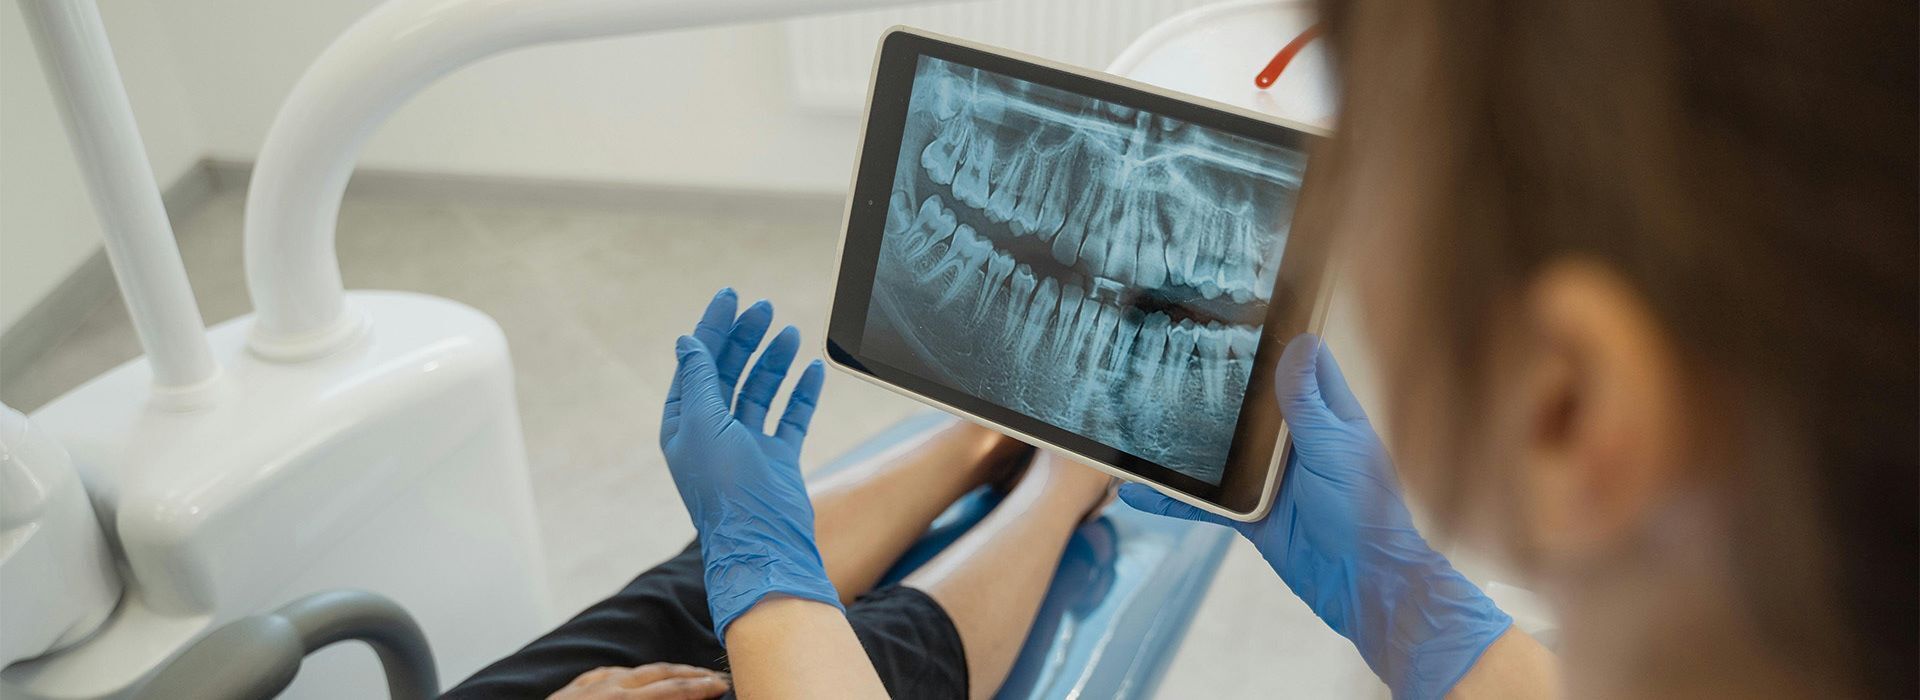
591	297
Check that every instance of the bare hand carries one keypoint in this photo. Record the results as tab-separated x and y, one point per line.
649	682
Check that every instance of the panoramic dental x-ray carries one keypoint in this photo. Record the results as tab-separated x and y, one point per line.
1097	267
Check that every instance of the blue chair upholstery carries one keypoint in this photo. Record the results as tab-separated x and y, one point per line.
1118	606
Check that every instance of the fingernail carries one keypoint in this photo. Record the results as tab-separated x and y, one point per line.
724	292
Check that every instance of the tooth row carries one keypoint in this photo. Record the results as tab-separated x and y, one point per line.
1028	306
1063	350
1120	223
1069	325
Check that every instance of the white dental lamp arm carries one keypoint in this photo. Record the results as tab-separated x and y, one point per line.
394	52
134	229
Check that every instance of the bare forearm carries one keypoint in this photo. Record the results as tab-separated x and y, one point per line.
794	648
1515	666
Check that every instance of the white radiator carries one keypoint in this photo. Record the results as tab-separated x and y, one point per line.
829	58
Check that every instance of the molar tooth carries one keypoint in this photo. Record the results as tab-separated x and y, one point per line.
1093	250
1100	340
1150	247
1090	218
1210	247
1170	125
970	182
931	225
1064	318
1047	174
966	251
1037	321
1242	267
1243	341
1274	246
1007	190
999	266
1176	363
1148	349
1184	251
1125	245
1266	267
1124	338
1119	111
1019	323
1173	233
1212	348
1083	324
1067	245
942	156
1053	207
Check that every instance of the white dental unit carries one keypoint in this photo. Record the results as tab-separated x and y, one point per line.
333	440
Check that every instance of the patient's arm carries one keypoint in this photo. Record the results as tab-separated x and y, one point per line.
1514	666
797	648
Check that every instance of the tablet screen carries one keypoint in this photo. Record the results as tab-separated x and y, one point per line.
1098	267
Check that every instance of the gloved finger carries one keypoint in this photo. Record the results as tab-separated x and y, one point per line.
1333	387
756	396
1143	498
711	330
744	337
800	405
717	320
701	401
1297	384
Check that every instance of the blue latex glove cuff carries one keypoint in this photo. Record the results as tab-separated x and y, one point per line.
741	571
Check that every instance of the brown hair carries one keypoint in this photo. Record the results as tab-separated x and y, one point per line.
1749	167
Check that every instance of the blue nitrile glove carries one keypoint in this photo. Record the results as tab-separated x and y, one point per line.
742	486
1340	536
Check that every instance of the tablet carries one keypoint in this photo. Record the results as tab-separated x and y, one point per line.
1087	263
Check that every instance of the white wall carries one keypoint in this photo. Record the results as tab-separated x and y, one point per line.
691	108
701	108
47	226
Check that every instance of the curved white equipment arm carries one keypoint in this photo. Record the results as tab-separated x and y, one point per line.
366	74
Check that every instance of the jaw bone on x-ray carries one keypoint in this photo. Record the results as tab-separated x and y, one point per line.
1093	266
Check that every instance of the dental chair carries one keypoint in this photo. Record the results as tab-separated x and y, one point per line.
1113	616
257	492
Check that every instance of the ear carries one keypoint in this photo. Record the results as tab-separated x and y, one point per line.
1602	413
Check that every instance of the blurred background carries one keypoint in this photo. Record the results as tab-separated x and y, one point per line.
588	196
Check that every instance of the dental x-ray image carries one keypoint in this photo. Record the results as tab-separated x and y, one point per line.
1097	267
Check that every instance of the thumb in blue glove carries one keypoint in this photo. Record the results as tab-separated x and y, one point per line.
1341	537
742	486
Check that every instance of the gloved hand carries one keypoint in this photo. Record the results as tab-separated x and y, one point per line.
742	486
1340	536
